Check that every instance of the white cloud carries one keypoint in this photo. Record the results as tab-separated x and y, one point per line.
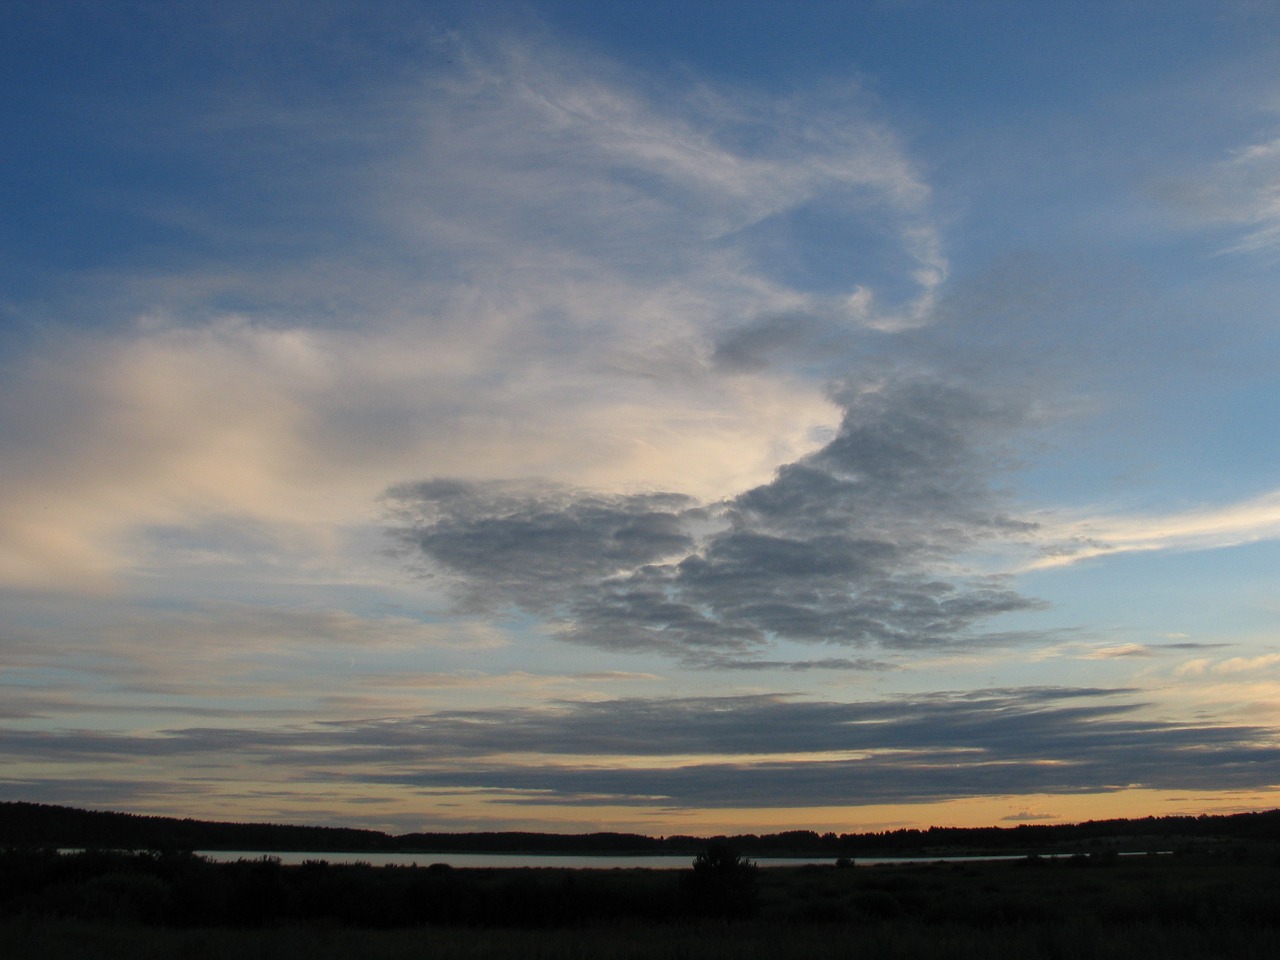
1246	192
298	431
551	258
1240	192
1194	668
1070	540
1202	666
1117	652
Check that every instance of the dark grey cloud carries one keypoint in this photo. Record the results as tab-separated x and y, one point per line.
529	543
851	546
101	793
767	750
923	748
1028	816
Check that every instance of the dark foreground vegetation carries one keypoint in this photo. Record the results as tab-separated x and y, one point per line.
132	888
890	941
1220	900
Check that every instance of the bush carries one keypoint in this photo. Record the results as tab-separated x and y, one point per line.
721	885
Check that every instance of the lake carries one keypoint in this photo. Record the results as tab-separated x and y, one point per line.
570	861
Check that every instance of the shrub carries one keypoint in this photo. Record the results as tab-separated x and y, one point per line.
722	884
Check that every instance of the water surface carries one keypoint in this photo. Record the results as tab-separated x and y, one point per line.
571	861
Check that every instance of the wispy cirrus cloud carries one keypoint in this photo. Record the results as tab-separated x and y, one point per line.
679	166
1071	540
1121	651
1244	191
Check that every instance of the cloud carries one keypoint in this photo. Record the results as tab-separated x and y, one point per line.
537	266
1244	191
234	437
845	546
1202	666
522	540
1122	651
101	793
683	171
1073	540
119	658
857	664
765	750
1026	816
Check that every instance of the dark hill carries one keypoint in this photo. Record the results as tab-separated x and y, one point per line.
43	825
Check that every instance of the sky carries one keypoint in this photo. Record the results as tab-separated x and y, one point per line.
697	418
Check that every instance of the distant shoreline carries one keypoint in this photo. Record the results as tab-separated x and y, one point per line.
24	824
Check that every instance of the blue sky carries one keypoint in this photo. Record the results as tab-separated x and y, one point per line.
664	417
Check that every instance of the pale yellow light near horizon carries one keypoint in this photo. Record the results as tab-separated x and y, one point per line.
444	810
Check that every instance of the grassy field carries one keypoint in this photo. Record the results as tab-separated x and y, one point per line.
752	940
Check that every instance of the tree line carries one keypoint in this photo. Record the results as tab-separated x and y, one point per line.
25	824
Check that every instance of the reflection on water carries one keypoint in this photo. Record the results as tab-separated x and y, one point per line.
575	861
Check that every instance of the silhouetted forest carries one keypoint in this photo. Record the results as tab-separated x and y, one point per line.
44	825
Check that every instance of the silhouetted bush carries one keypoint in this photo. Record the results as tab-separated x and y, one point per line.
722	884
